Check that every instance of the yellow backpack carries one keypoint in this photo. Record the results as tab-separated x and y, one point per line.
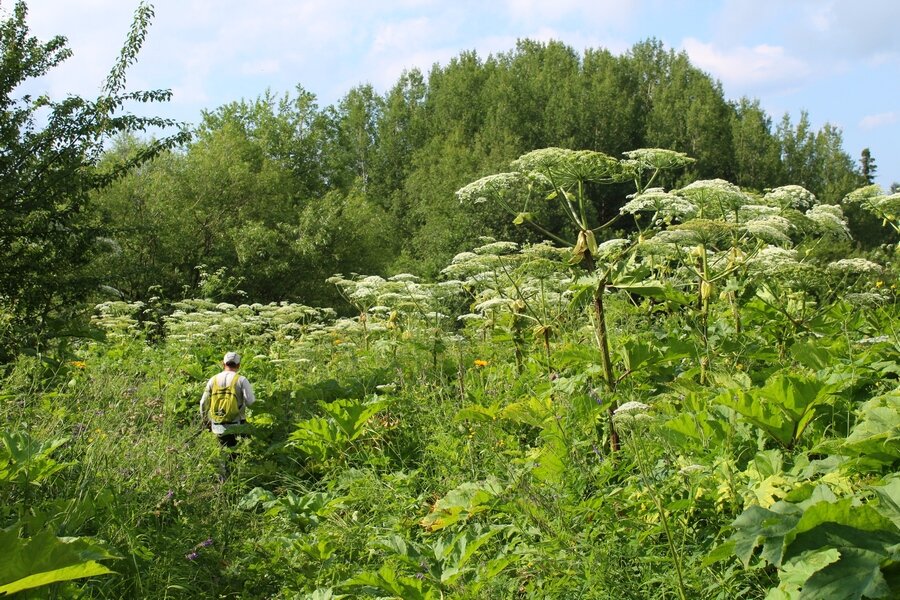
223	402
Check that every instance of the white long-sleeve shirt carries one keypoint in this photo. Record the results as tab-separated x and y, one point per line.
244	393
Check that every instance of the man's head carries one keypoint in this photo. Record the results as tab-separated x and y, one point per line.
232	360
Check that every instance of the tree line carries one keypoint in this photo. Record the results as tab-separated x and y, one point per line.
266	198
273	195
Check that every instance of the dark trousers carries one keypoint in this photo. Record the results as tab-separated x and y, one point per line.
230	440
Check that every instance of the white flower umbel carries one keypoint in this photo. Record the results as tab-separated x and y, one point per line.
492	187
771	229
830	220
470	317
492	304
753	211
791	196
773	257
656	159
631	406
612	247
858	266
715	197
497	248
889	206
547	251
663	205
865	299
463	257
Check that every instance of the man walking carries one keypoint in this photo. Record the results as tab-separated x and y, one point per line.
224	400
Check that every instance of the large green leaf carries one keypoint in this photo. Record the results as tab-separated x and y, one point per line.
796	396
43	559
856	574
687	429
460	503
26	460
758	526
763	415
318	438
889	499
478	413
533	411
842	524
783	407
387	583
825	548
876	436
352	415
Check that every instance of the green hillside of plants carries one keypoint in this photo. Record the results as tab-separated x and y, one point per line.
708	408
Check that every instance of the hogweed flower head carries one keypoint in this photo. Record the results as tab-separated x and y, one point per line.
771	229
664	205
492	187
715	197
497	248
855	266
791	196
865	299
830	220
644	159
631	406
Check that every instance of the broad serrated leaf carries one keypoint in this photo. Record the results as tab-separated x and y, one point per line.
889	499
856	574
43	559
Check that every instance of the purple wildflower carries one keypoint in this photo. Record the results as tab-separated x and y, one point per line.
169	494
191	555
205	543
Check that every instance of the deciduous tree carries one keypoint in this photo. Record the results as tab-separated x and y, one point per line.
47	171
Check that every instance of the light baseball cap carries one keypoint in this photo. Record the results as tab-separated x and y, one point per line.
232	357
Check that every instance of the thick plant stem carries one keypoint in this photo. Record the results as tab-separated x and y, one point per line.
545	335
705	290
603	343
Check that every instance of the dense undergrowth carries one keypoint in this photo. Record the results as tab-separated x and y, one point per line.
470	439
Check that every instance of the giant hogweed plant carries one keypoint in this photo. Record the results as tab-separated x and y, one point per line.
522	286
710	236
564	176
400	305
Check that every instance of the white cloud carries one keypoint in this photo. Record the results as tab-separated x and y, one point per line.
880	120
761	65
599	12
265	66
402	35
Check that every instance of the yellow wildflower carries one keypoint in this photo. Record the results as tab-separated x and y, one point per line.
480	363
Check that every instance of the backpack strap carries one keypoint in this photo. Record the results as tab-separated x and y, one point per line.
233	386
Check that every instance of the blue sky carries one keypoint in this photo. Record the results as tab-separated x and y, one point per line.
839	60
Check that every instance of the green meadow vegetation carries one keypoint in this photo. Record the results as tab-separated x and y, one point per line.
487	365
